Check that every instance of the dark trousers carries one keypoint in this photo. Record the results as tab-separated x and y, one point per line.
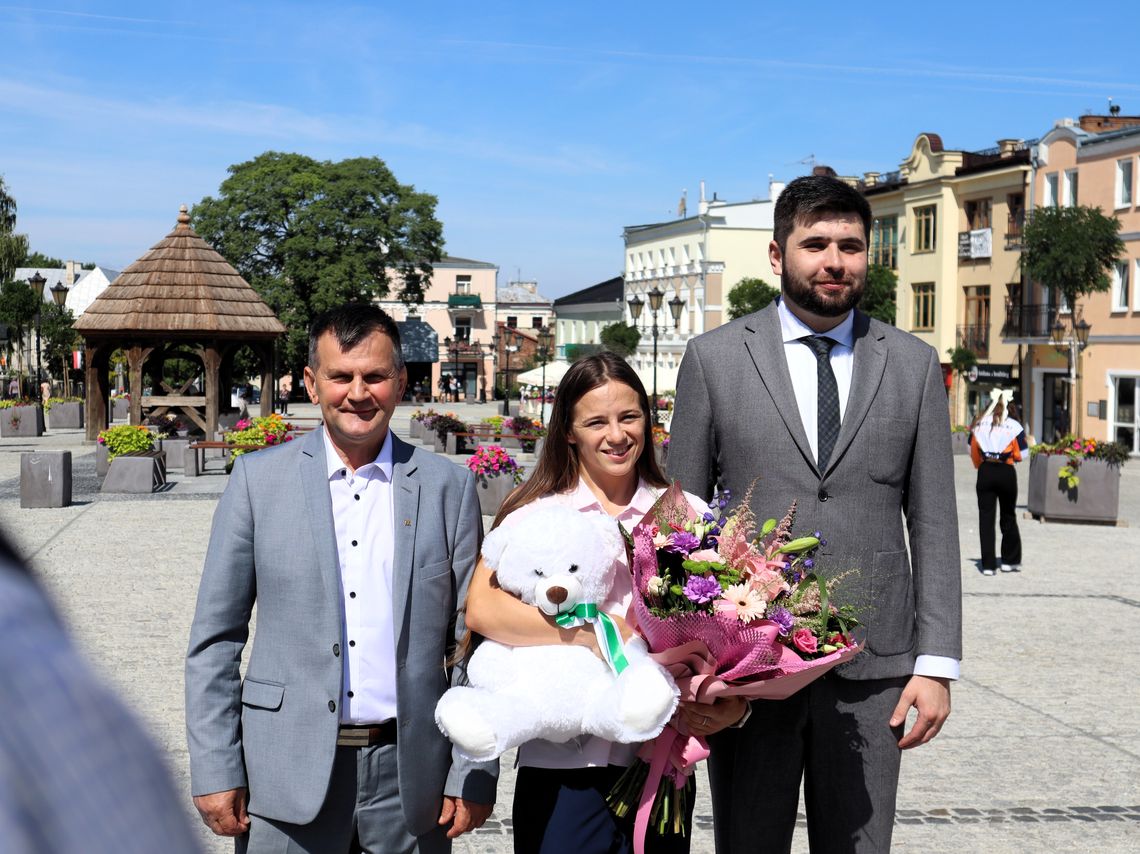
563	811
835	734
997	488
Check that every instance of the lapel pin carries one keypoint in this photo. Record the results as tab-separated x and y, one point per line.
407	523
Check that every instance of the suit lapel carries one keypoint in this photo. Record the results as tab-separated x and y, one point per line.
870	363
318	506
765	342
405	507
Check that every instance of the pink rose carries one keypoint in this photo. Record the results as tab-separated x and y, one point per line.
805	641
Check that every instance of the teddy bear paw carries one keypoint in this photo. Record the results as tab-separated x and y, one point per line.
648	699
468	730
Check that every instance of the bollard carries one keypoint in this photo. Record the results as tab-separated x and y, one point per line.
190	462
45	479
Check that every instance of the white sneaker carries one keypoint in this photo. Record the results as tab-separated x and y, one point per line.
1015	567
987	572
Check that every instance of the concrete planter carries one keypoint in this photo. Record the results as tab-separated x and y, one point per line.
227	420
175	448
511	442
416	429
45	479
493	491
660	453
1095	499
23	421
120	409
101	461
960	443
140	473
457	444
438	445
65	416
538	446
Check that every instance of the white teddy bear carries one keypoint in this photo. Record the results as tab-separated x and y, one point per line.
562	561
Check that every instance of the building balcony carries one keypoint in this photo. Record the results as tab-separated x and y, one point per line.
1028	321
975	338
471	302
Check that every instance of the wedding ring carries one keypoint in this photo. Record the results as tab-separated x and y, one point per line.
705	720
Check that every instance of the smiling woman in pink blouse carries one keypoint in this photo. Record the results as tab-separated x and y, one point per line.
597	458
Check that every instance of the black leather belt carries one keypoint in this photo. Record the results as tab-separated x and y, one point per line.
366	736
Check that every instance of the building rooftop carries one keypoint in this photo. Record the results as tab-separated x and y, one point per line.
611	290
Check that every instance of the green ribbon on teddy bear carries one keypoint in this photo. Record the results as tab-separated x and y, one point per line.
609	638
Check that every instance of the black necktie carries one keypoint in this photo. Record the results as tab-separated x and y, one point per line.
827	410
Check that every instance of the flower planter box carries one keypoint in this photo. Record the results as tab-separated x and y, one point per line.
65	416
101	461
511	442
493	491
1095	499
416	429
538	447
960	443
660	452
120	409
438	445
457	444
24	421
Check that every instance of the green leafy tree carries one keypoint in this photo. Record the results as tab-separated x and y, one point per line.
1071	250
13	247
59	337
620	338
18	306
41	261
749	295
309	234
880	293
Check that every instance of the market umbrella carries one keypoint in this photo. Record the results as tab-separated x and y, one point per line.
555	371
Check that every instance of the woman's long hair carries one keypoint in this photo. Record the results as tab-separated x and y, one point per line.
557	468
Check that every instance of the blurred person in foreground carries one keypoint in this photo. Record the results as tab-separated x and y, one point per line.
77	771
357	549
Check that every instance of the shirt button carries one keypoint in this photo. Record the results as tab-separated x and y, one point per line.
352	643
332	706
352	595
350	695
823	496
336	649
357	497
354	542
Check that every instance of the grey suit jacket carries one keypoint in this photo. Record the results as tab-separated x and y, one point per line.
273	541
736	419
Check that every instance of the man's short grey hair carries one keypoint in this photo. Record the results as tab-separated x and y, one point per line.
350	324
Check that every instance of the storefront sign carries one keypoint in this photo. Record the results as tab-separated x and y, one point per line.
990	374
975	244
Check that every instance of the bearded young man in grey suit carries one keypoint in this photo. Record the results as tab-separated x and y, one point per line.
357	549
859	436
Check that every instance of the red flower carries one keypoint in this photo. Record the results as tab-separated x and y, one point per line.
805	641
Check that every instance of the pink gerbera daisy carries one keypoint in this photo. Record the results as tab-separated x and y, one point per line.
748	603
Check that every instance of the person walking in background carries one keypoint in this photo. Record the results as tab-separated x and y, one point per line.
846	416
329	744
996	442
77	771
284	389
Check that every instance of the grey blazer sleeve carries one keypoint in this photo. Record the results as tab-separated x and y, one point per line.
472	781
217	637
692	446
932	524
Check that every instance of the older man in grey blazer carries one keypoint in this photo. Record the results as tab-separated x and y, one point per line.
357	550
847	416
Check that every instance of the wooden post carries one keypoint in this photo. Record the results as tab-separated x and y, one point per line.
136	356
211	363
267	390
96	387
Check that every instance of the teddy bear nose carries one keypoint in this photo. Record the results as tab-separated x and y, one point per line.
557	595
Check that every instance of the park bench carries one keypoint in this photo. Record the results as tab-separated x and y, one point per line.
199	448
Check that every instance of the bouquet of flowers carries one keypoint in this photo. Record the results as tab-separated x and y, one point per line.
730	610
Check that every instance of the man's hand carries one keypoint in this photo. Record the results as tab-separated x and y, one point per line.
224	812
463	815
707	718
931	697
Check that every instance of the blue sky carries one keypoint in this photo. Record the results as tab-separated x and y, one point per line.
543	129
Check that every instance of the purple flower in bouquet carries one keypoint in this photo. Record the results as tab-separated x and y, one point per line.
701	589
684	543
783	618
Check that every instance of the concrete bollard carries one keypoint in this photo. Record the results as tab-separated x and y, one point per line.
190	462
45	479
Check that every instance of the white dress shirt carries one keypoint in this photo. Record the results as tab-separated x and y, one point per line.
364	518
802	366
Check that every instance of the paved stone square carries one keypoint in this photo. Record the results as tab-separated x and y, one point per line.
1040	753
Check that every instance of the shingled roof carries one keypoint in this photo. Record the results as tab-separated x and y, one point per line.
181	286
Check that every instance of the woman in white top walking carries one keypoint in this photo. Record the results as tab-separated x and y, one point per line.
996	443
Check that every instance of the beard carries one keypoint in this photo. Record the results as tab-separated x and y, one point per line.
802	293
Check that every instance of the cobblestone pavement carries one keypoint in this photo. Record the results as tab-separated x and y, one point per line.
1039	754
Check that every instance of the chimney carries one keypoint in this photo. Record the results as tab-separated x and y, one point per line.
870	179
1006	147
70	272
703	205
774	188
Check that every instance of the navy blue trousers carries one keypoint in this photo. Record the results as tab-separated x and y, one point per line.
563	811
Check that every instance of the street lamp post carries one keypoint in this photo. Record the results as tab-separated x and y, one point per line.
545	343
636	303
36	283
453	352
59	295
508	348
1074	340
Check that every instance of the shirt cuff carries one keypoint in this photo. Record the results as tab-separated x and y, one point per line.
938	666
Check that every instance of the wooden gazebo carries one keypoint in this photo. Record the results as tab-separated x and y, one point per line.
181	300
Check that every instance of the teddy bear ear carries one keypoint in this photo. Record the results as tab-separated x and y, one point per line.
608	534
493	546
